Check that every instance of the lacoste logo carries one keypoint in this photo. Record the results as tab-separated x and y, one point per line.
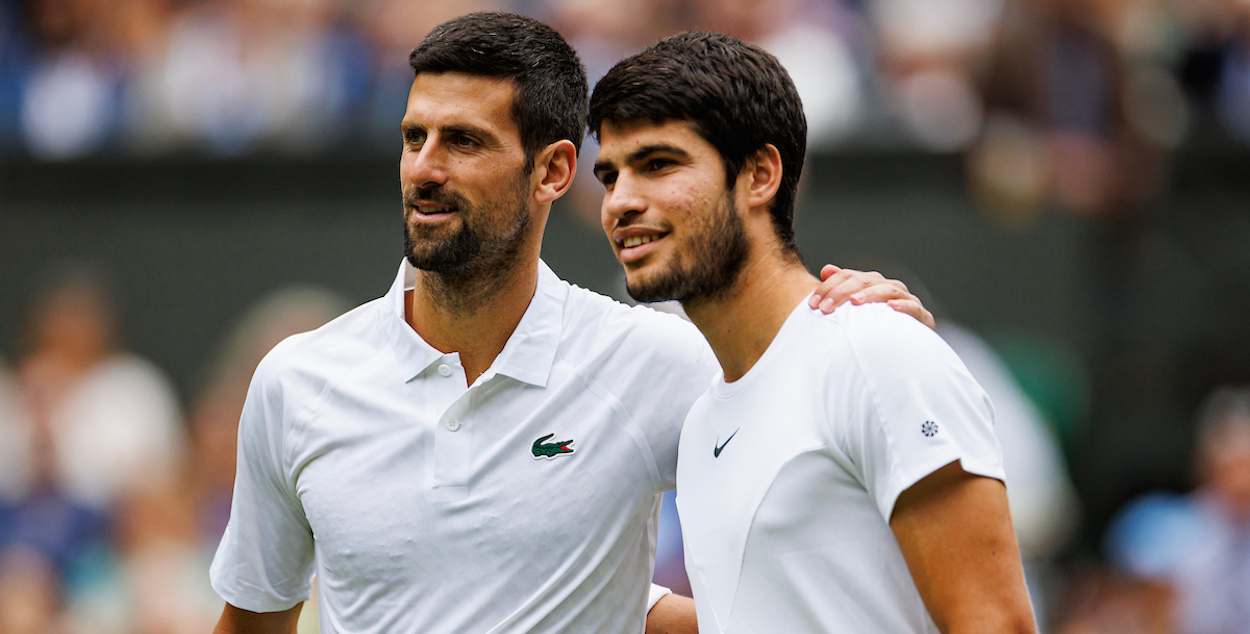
550	450
716	450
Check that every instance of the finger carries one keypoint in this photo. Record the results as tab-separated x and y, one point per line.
881	292
837	295
835	277
914	308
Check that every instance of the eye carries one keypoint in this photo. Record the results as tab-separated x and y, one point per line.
414	136
607	178
657	164
463	141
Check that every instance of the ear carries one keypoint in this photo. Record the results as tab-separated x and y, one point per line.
554	168
762	172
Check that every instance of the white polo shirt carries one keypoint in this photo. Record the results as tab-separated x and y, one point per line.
525	503
788	476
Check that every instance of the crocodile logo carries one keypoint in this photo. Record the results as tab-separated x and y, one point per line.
550	450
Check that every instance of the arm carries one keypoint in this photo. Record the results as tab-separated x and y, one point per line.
955	533
238	621
673	614
841	285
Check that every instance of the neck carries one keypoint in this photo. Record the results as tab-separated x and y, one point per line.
742	323
472	314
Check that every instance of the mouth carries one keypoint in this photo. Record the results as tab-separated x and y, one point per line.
424	212
636	245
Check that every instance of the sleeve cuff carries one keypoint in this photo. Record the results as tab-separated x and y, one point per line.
657	593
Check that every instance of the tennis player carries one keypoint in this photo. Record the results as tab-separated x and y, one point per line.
841	474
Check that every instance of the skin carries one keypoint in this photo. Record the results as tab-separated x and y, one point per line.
662	181
459	138
238	621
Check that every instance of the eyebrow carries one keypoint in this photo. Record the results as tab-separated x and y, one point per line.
641	153
471	130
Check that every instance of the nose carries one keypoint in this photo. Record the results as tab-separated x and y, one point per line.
425	165
624	199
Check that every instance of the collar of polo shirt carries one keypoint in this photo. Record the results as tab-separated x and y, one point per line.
529	353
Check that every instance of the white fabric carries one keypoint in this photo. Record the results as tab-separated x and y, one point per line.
420	504
788	529
657	592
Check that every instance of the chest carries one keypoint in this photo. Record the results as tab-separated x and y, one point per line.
422	481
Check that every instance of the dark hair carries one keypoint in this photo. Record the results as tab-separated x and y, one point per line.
550	88
735	95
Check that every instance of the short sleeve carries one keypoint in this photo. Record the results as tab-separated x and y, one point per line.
686	366
916	408
265	560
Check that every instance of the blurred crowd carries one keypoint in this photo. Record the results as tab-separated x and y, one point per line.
1085	80
112	499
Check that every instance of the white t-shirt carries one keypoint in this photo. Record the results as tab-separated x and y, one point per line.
525	503
788	476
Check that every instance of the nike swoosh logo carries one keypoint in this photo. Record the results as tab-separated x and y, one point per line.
716	451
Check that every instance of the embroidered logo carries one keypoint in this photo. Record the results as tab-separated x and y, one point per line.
716	449
550	450
929	429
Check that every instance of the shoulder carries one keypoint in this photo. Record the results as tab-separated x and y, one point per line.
596	322
884	340
339	345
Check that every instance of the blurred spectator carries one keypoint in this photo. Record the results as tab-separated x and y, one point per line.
929	51
1196	548
808	38
1069	115
110	419
240	75
154	581
29	594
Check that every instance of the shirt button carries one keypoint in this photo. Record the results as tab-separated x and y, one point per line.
444	370
453	424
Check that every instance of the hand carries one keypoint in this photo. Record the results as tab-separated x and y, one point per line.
840	285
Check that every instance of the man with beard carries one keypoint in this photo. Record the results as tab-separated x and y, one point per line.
483	449
841	474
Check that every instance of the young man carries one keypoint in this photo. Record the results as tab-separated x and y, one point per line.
842	475
484	448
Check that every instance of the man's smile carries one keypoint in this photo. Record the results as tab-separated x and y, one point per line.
429	211
636	242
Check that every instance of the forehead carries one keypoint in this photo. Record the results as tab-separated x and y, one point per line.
618	141
450	99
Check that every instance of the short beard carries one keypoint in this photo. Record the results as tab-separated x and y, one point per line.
470	254
718	258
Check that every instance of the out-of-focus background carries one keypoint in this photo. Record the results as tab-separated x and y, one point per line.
183	183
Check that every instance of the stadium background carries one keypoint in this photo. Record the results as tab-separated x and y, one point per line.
1068	178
